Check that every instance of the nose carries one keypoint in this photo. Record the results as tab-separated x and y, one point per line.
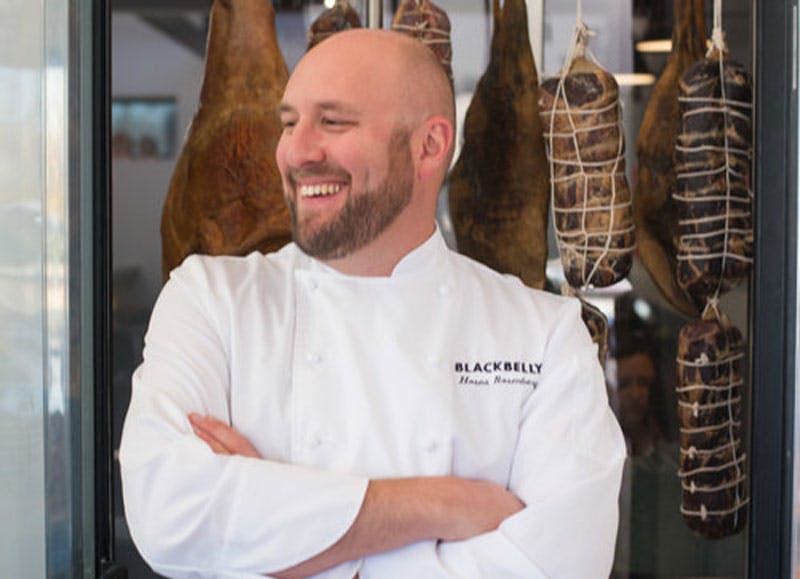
301	145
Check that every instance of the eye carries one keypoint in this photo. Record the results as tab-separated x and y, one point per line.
335	122
288	122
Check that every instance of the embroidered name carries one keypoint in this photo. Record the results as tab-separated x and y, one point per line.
498	366
505	372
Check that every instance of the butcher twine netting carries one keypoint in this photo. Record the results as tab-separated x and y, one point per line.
586	244
712	461
692	242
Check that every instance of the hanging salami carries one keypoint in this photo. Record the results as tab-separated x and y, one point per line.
712	160
597	324
340	17
225	196
710	388
714	252
429	24
655	213
498	189
590	198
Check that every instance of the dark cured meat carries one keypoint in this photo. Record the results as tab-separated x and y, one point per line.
713	470
597	324
499	190
712	161
592	210
225	196
429	24
655	214
341	17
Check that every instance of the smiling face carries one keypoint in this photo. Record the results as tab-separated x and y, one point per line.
355	152
344	155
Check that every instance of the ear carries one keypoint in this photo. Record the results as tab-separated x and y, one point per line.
436	142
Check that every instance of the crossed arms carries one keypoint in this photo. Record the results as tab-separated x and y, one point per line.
395	512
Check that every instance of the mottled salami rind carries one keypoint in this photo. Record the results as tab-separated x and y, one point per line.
591	200
341	17
429	24
712	162
225	196
597	324
498	190
710	389
654	209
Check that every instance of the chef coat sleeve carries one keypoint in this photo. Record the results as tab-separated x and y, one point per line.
567	469
193	513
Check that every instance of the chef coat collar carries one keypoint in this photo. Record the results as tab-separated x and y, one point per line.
421	259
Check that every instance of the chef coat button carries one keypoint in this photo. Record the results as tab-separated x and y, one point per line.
444	290
313	285
313	358
315	442
432	447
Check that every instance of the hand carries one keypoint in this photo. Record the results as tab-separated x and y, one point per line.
220	437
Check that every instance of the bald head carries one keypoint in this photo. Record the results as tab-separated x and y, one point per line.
398	69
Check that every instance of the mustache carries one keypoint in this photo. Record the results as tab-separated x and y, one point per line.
317	170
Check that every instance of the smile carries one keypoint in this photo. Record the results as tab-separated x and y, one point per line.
319	190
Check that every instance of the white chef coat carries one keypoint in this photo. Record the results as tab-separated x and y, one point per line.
443	368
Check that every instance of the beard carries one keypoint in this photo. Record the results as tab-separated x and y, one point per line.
364	216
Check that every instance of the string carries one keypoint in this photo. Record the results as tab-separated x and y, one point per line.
717	35
579	49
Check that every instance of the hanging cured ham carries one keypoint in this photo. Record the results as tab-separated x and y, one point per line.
655	213
429	24
225	196
341	17
499	188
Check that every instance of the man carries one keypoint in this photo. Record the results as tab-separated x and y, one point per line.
366	402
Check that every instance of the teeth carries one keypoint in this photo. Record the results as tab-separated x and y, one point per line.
319	190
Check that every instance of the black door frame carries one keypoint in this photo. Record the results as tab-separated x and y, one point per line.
774	299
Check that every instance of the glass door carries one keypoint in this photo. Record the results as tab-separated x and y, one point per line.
47	257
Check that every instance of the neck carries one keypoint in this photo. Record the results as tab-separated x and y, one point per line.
379	257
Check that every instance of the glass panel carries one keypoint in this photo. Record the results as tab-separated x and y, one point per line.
150	62
39	511
22	168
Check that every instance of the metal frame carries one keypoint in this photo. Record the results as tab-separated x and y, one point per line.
104	565
774	291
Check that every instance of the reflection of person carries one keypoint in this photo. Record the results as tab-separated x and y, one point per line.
364	400
653	539
636	393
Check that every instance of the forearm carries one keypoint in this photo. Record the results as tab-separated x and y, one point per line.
398	512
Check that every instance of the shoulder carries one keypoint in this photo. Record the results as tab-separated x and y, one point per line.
482	282
217	279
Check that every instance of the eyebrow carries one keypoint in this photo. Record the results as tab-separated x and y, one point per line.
325	106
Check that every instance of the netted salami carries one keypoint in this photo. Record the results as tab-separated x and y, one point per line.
597	324
655	213
710	388
712	162
590	197
429	24
340	17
